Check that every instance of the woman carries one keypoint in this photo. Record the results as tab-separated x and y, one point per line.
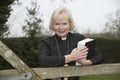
60	49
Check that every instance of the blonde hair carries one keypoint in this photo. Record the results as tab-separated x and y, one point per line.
59	11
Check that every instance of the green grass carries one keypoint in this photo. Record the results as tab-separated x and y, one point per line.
101	77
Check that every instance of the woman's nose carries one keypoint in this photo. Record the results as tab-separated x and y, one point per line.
61	26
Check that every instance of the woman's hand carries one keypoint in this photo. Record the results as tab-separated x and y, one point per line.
76	54
84	61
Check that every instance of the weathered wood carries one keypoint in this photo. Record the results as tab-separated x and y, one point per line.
56	72
17	76
16	62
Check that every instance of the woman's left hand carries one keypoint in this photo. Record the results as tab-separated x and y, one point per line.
84	62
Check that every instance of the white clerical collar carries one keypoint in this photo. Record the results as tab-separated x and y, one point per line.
64	38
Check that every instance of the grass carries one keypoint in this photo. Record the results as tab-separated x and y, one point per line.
101	77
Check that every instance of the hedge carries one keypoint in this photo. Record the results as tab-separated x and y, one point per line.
28	49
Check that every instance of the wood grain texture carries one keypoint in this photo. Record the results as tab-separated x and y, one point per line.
56	72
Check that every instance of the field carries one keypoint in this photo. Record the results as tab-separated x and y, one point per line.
101	77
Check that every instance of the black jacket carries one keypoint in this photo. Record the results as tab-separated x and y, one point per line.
52	55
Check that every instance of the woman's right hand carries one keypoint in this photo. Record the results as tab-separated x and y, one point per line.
76	54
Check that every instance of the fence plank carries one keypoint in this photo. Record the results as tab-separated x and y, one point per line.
56	72
15	61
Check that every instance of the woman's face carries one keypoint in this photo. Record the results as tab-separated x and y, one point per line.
61	25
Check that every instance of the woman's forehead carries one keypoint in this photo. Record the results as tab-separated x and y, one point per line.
61	16
61	20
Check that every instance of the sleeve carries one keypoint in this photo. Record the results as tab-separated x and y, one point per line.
96	56
46	59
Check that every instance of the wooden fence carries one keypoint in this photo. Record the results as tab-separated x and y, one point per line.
54	72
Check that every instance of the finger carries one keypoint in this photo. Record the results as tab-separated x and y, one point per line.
74	49
83	48
83	54
81	57
83	51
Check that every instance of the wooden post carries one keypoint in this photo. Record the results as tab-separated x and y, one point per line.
16	62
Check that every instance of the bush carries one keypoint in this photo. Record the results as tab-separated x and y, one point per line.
110	50
26	48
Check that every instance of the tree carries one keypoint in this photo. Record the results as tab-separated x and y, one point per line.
4	14
113	23
34	23
32	29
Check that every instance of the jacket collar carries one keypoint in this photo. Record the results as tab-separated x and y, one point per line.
64	38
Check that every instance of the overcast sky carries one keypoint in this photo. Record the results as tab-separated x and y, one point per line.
89	15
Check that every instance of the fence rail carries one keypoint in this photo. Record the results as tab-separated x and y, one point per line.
56	72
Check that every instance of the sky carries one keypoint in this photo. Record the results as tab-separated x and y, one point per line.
89	15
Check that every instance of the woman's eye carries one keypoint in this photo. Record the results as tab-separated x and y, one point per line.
61	23
64	23
57	24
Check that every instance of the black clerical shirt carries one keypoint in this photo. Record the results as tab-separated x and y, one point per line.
52	52
50	56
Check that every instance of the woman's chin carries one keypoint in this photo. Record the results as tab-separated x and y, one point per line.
61	35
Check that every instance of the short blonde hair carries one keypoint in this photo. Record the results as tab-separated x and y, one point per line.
59	11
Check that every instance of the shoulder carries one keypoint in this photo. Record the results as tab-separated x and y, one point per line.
48	39
77	35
